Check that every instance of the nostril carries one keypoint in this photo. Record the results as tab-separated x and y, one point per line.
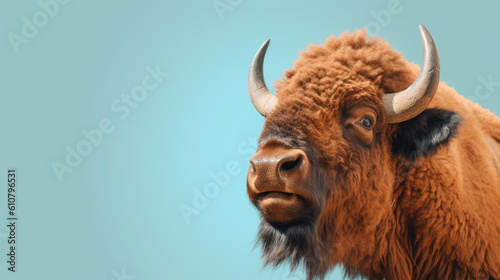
290	164
252	167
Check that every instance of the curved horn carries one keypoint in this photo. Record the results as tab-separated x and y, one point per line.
263	100
406	104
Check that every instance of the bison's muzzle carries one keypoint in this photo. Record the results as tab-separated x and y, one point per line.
276	181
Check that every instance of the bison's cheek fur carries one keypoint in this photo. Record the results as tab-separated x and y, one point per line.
356	205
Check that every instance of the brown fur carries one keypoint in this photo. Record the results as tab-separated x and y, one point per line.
383	216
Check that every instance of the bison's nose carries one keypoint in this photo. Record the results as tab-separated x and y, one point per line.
277	169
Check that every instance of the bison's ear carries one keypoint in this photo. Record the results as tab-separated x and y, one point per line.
425	133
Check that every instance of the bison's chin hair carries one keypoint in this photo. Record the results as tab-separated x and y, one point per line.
297	244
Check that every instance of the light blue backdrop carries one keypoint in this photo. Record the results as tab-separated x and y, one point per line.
117	213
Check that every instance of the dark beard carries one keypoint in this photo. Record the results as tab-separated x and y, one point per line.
294	243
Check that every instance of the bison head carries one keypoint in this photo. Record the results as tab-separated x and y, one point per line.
341	123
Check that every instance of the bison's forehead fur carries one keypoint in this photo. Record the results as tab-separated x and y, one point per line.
346	64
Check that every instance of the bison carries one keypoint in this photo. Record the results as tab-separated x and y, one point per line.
369	161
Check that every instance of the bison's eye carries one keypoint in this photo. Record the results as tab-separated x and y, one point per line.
366	122
359	123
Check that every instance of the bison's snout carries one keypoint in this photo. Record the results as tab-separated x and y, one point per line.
276	183
272	168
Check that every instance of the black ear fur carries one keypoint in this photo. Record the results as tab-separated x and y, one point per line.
425	133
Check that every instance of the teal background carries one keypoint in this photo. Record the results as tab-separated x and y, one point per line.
119	209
